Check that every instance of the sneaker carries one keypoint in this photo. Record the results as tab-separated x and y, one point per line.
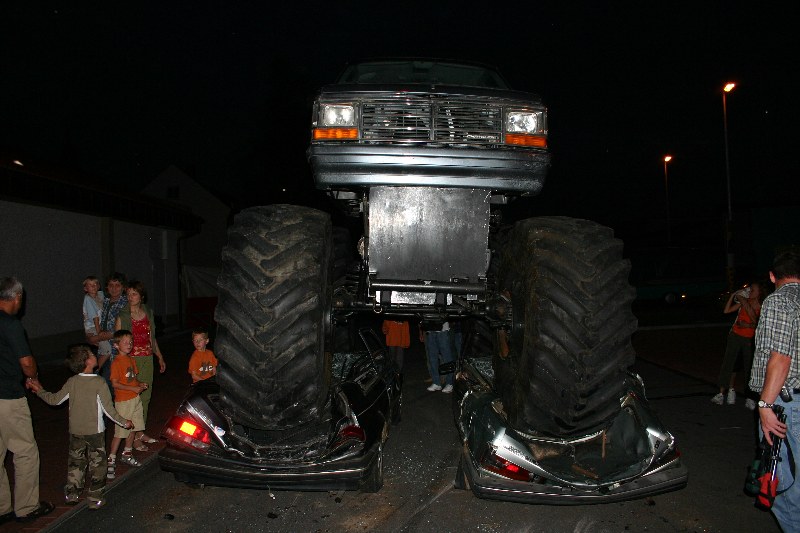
93	502
71	499
434	387
750	404
129	459
111	473
731	399
447	389
718	399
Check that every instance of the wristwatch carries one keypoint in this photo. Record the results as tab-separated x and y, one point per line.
764	405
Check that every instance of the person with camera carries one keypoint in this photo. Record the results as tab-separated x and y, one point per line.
776	366
746	303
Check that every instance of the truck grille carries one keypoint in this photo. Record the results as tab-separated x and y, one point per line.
425	119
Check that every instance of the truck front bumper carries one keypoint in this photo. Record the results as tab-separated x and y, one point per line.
349	166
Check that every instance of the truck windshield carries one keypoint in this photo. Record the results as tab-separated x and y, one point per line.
428	72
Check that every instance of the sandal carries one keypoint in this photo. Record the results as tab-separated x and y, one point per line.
111	471
141	448
147	440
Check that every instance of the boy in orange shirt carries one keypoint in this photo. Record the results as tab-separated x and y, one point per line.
202	363
126	400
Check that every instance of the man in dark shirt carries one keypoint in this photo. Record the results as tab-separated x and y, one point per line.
16	430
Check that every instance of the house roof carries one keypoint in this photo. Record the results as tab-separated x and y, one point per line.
35	184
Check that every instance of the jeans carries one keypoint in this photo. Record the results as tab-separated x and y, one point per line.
438	345
787	504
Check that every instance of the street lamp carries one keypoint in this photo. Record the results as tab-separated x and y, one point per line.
725	90
728	230
667	159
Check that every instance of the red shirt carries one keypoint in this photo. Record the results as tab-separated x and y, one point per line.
141	337
397	333
744	325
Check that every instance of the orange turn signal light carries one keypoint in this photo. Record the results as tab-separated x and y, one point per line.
327	134
538	141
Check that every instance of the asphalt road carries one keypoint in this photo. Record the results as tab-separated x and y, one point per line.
420	461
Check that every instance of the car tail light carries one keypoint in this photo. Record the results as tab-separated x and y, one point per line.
494	463
348	436
185	430
352	432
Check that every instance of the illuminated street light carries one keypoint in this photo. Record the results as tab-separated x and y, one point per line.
667	159
728	229
725	90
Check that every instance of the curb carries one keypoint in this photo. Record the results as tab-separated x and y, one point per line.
131	473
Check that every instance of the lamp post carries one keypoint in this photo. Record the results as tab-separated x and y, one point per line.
725	90
728	229
667	159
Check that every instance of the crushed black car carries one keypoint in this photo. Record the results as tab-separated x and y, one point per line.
343	450
632	457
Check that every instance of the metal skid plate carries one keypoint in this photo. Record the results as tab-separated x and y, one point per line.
428	233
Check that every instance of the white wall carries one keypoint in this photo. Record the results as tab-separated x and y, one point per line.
52	251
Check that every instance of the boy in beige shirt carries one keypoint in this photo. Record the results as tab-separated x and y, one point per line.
89	398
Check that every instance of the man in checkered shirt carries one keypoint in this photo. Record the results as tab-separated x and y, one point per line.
777	363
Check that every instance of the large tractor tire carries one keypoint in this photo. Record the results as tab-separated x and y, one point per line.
561	368
273	317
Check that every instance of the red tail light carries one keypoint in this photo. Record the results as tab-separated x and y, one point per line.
352	432
185	430
494	463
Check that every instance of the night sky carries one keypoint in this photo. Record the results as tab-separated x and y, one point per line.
119	91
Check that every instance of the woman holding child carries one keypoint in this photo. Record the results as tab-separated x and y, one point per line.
138	318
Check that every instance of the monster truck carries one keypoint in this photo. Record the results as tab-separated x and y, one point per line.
427	152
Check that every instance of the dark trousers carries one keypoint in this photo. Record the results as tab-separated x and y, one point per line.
737	346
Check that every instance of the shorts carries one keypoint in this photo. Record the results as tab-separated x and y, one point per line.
132	410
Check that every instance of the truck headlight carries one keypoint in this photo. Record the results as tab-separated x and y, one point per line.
530	122
337	115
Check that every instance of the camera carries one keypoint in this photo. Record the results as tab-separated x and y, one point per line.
744	293
786	394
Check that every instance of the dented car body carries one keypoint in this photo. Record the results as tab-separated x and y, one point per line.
342	451
634	456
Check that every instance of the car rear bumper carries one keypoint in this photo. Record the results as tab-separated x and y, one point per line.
345	474
354	165
495	488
